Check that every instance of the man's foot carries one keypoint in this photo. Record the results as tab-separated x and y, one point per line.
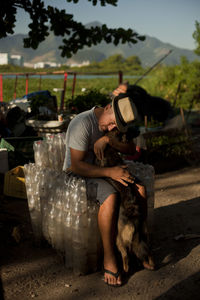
109	276
112	276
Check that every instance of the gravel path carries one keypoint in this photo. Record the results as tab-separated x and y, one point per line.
29	272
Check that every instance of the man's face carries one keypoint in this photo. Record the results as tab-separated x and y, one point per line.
107	120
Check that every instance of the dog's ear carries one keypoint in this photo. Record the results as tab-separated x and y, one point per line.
115	133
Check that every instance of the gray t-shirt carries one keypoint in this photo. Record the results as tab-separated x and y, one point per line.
83	131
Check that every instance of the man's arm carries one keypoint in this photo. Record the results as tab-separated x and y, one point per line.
100	145
82	168
125	148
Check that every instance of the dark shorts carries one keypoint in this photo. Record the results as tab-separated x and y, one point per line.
98	189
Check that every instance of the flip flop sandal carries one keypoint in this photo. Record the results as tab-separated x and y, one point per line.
116	275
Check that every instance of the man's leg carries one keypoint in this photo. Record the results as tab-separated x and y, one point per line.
107	219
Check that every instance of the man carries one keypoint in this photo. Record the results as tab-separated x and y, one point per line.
85	136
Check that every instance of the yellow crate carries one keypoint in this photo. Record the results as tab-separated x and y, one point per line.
14	183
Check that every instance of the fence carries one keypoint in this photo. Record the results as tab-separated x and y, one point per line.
40	74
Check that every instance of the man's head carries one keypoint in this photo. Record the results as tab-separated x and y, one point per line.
121	113
107	119
125	112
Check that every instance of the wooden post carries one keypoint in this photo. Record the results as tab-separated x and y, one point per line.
40	82
74	84
26	84
63	92
177	91
184	123
120	77
15	89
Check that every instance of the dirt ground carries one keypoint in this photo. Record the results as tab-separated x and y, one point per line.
29	272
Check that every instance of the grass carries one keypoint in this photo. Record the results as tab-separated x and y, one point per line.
104	85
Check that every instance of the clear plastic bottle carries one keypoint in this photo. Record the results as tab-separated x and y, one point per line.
41	153
83	197
67	221
59	149
51	226
33	200
50	204
44	195
94	241
80	265
79	229
35	218
58	220
52	152
67	226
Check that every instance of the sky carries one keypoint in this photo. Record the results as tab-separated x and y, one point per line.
171	21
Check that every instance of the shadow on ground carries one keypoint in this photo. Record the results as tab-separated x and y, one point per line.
42	268
189	286
170	222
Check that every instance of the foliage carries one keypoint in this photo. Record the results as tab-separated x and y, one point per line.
133	62
118	62
88	100
169	145
115	61
37	101
15	69
177	84
154	123
75	34
130	65
196	36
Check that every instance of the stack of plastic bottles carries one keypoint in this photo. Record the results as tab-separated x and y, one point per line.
50	153
59	209
146	174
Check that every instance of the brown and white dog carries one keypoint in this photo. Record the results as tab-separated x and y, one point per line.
132	235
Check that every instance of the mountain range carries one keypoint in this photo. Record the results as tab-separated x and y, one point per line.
149	51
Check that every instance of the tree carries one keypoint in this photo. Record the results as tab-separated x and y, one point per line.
75	34
116	59
133	62
113	63
196	36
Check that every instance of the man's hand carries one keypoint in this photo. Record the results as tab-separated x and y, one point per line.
100	146
121	174
122	88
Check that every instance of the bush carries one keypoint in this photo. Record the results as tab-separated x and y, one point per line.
86	101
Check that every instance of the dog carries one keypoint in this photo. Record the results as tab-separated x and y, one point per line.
132	232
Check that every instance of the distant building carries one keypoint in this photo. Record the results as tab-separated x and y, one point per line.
28	65
39	65
14	59
47	64
73	63
4	59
